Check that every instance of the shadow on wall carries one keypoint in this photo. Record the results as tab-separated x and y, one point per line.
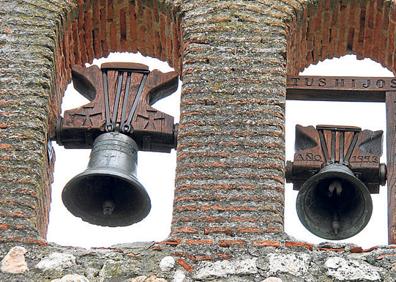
365	115
156	171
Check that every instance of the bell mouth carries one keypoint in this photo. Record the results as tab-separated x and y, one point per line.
106	198
334	204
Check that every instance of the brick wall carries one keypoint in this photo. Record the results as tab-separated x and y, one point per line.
328	29
229	180
39	41
233	56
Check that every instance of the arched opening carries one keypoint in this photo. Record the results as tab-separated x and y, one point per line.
365	115
324	30
156	172
94	29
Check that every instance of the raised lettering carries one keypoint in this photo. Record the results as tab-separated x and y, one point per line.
380	83
364	159
339	82
299	157
353	83
393	83
308	82
322	82
367	84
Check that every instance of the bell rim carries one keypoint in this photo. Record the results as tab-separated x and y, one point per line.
73	209
347	176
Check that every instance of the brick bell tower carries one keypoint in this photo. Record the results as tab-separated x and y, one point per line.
233	58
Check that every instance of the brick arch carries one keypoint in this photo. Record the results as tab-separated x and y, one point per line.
93	29
324	29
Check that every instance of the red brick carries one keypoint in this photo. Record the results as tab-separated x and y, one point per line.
292	244
5	146
243	219
186	229
230	243
157	248
174	242
123	30
132	38
88	35
25	240
336	250
149	34
114	36
203	258
199	242
162	24
20	226
267	243
249	230
169	39
274	230
371	249
156	31
356	250
76	45
224	256
214	208
4	103
200	219
103	27
187	187
224	230
184	264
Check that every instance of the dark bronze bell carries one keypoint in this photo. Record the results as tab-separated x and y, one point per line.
334	204
335	169
108	193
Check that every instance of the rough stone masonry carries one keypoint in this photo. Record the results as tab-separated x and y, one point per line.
233	58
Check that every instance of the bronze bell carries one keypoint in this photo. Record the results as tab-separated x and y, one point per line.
108	193
118	121
335	169
334	204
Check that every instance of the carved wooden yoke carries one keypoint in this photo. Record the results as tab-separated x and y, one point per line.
346	145
357	89
120	95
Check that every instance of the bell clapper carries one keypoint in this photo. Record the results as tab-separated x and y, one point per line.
108	207
335	186
335	224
